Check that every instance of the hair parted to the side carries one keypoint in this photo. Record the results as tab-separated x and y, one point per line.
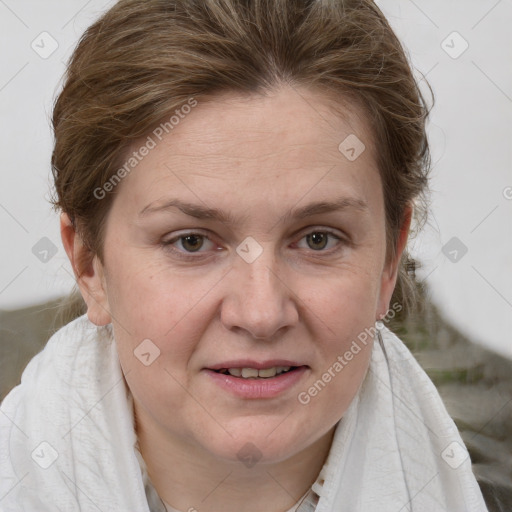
143	59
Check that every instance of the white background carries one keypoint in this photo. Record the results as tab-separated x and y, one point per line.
470	132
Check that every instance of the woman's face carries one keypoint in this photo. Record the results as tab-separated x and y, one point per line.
246	239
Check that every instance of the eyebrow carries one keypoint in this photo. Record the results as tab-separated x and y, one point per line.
205	213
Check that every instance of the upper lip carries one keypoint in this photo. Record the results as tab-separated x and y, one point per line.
258	365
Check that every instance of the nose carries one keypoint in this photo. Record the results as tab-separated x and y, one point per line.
258	299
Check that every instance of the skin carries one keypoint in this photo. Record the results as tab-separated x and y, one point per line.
255	158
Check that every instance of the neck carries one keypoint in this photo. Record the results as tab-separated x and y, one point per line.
189	478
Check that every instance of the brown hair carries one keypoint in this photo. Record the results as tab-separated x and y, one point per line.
143	59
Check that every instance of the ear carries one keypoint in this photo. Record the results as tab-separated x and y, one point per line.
88	272
390	272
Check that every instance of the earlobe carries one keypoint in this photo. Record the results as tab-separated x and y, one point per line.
88	272
390	274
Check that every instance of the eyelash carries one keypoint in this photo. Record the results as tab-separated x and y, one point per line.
188	256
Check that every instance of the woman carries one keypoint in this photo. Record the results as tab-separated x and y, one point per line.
237	182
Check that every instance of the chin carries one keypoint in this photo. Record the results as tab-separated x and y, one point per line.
262	440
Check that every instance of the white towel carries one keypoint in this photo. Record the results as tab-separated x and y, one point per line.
67	437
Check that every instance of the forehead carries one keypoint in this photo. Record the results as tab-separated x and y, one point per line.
284	144
295	121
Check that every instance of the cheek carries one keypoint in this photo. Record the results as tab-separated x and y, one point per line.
344	311
157	328
150	298
346	297
154	313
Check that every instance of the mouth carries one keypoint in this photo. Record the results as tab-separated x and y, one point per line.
255	373
250	379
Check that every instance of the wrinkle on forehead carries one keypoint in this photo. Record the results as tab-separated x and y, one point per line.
250	123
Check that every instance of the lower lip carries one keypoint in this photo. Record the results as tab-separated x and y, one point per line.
258	388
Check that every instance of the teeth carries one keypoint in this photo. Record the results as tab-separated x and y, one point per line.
268	372
252	373
249	372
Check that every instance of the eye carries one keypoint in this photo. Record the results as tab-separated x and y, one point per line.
319	240
188	243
